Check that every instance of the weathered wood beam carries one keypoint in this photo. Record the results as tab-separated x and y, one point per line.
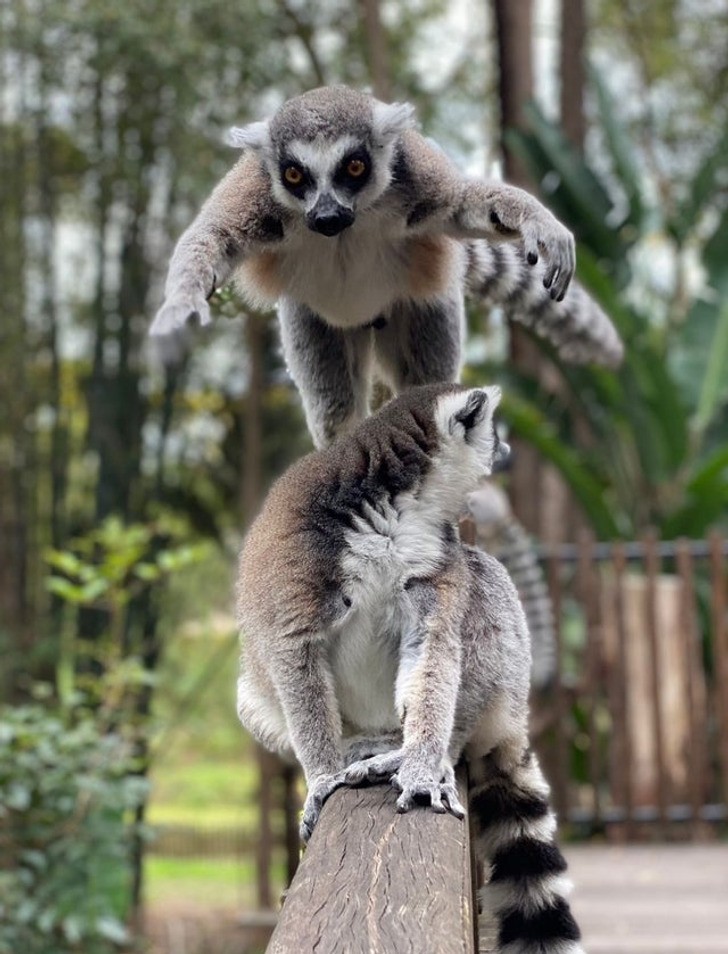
375	882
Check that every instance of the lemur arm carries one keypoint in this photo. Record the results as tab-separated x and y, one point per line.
437	197
238	218
500	212
427	692
304	684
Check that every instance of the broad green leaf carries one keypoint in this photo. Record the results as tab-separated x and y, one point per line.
714	390
702	190
578	197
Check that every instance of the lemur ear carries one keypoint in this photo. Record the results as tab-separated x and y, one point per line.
474	409
253	136
391	119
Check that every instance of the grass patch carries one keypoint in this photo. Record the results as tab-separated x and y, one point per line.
218	882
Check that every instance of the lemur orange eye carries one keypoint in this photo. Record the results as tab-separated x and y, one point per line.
293	175
356	168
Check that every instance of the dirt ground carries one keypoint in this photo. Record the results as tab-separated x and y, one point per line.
188	928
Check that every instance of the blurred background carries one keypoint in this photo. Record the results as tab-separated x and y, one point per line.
134	811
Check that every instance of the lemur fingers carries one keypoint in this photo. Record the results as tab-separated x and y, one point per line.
546	234
318	792
419	785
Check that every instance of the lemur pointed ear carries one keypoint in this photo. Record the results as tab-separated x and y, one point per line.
391	119
253	136
473	410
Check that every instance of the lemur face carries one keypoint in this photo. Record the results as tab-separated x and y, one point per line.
325	180
329	153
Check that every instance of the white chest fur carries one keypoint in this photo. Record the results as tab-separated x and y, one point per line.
352	278
388	546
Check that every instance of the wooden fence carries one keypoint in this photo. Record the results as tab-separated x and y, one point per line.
635	729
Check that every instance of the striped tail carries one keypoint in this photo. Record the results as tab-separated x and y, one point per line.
577	327
515	831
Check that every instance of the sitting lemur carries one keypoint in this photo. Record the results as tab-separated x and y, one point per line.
379	647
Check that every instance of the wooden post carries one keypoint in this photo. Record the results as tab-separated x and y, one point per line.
720	650
375	882
695	688
622	766
561	780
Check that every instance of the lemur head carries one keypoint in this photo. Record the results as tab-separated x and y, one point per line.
469	447
437	440
329	153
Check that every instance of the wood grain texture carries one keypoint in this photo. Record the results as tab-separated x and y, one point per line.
375	882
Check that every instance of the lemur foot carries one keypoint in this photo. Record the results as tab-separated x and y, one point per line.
376	768
362	747
318	792
418	785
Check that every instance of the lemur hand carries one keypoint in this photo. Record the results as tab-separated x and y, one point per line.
514	210
182	305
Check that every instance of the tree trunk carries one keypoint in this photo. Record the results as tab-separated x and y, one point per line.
540	498
376	50
572	71
514	36
514	33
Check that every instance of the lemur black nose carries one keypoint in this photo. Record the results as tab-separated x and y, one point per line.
502	457
328	217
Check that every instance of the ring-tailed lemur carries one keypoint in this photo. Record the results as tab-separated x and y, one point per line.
500	534
371	633
367	236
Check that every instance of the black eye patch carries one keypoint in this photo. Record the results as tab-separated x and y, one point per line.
295	177
354	170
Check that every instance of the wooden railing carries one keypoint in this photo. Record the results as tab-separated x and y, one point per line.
375	882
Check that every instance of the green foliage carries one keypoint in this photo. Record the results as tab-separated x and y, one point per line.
647	445
106	570
65	799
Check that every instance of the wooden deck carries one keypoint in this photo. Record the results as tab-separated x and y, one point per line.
656	899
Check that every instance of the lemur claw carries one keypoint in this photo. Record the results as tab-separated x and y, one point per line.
420	787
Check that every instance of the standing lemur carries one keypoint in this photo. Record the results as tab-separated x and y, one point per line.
378	646
368	237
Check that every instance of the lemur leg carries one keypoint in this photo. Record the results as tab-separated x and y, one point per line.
261	716
422	343
305	687
514	832
330	367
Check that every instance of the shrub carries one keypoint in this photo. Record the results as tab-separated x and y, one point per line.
66	803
